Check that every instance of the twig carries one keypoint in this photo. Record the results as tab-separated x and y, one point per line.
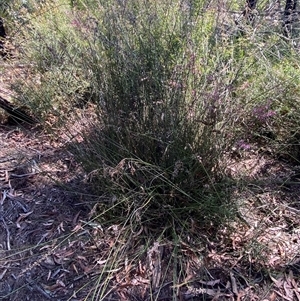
38	288
12	176
16	112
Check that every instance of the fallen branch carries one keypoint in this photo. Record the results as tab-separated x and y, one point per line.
16	113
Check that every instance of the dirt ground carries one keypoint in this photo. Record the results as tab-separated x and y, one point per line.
37	216
44	200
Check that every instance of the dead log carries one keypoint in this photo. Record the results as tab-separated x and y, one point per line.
16	113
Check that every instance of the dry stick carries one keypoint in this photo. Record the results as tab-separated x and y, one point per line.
15	112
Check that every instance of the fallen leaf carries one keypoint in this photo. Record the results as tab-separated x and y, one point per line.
210	283
21	217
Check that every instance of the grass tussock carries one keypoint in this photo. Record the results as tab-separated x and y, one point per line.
163	119
175	90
